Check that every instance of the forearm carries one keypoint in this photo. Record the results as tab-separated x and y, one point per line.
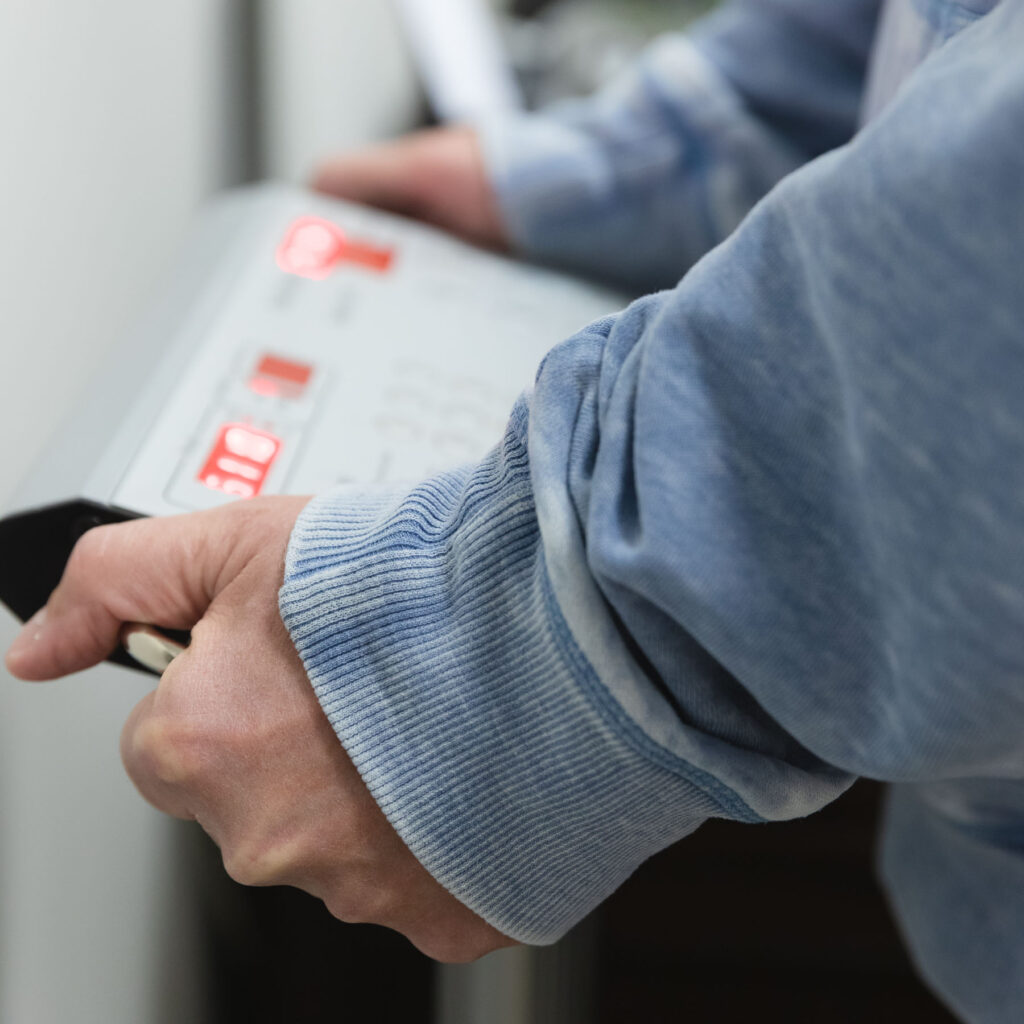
745	540
525	779
638	182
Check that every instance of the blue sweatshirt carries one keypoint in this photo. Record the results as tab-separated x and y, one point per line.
750	538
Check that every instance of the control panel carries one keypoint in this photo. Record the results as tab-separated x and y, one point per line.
350	347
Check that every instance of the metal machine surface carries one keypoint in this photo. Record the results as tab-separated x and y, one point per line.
305	343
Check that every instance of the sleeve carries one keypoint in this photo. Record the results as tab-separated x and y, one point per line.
743	541
951	861
636	183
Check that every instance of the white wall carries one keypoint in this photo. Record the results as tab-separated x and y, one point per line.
112	128
116	118
336	74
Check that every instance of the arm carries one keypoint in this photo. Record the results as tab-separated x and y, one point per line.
746	540
638	182
232	737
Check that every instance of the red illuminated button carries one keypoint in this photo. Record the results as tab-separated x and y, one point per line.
240	460
280	378
314	247
367	255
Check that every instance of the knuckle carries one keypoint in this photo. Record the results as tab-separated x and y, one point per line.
203	638
260	864
244	867
459	948
363	904
167	750
452	952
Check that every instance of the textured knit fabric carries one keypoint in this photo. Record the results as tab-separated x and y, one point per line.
749	538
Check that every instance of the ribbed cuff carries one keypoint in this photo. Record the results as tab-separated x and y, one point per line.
428	627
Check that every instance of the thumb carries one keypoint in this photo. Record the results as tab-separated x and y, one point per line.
155	571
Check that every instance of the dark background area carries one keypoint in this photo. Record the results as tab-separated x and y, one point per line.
769	923
738	923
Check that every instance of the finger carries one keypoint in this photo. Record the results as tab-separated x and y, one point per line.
381	176
156	757
157	571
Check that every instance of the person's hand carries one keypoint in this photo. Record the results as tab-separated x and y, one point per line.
436	176
233	736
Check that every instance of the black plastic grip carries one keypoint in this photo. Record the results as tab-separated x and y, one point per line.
36	545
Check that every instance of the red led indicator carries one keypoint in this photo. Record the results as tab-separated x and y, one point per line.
314	247
240	460
275	377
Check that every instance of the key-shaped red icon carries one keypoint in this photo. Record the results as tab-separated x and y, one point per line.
314	247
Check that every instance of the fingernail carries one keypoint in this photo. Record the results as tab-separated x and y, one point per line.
28	637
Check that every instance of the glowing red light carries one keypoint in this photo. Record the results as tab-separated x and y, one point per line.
240	460
264	386
275	377
313	247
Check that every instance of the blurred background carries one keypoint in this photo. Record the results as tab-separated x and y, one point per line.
117	119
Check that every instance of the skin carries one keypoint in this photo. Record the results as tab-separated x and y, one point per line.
233	736
435	176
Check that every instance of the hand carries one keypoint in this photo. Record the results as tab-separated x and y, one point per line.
435	176
233	736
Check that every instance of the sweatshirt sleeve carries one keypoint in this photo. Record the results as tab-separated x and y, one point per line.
637	182
742	542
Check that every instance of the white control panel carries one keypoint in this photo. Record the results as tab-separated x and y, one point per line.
349	346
